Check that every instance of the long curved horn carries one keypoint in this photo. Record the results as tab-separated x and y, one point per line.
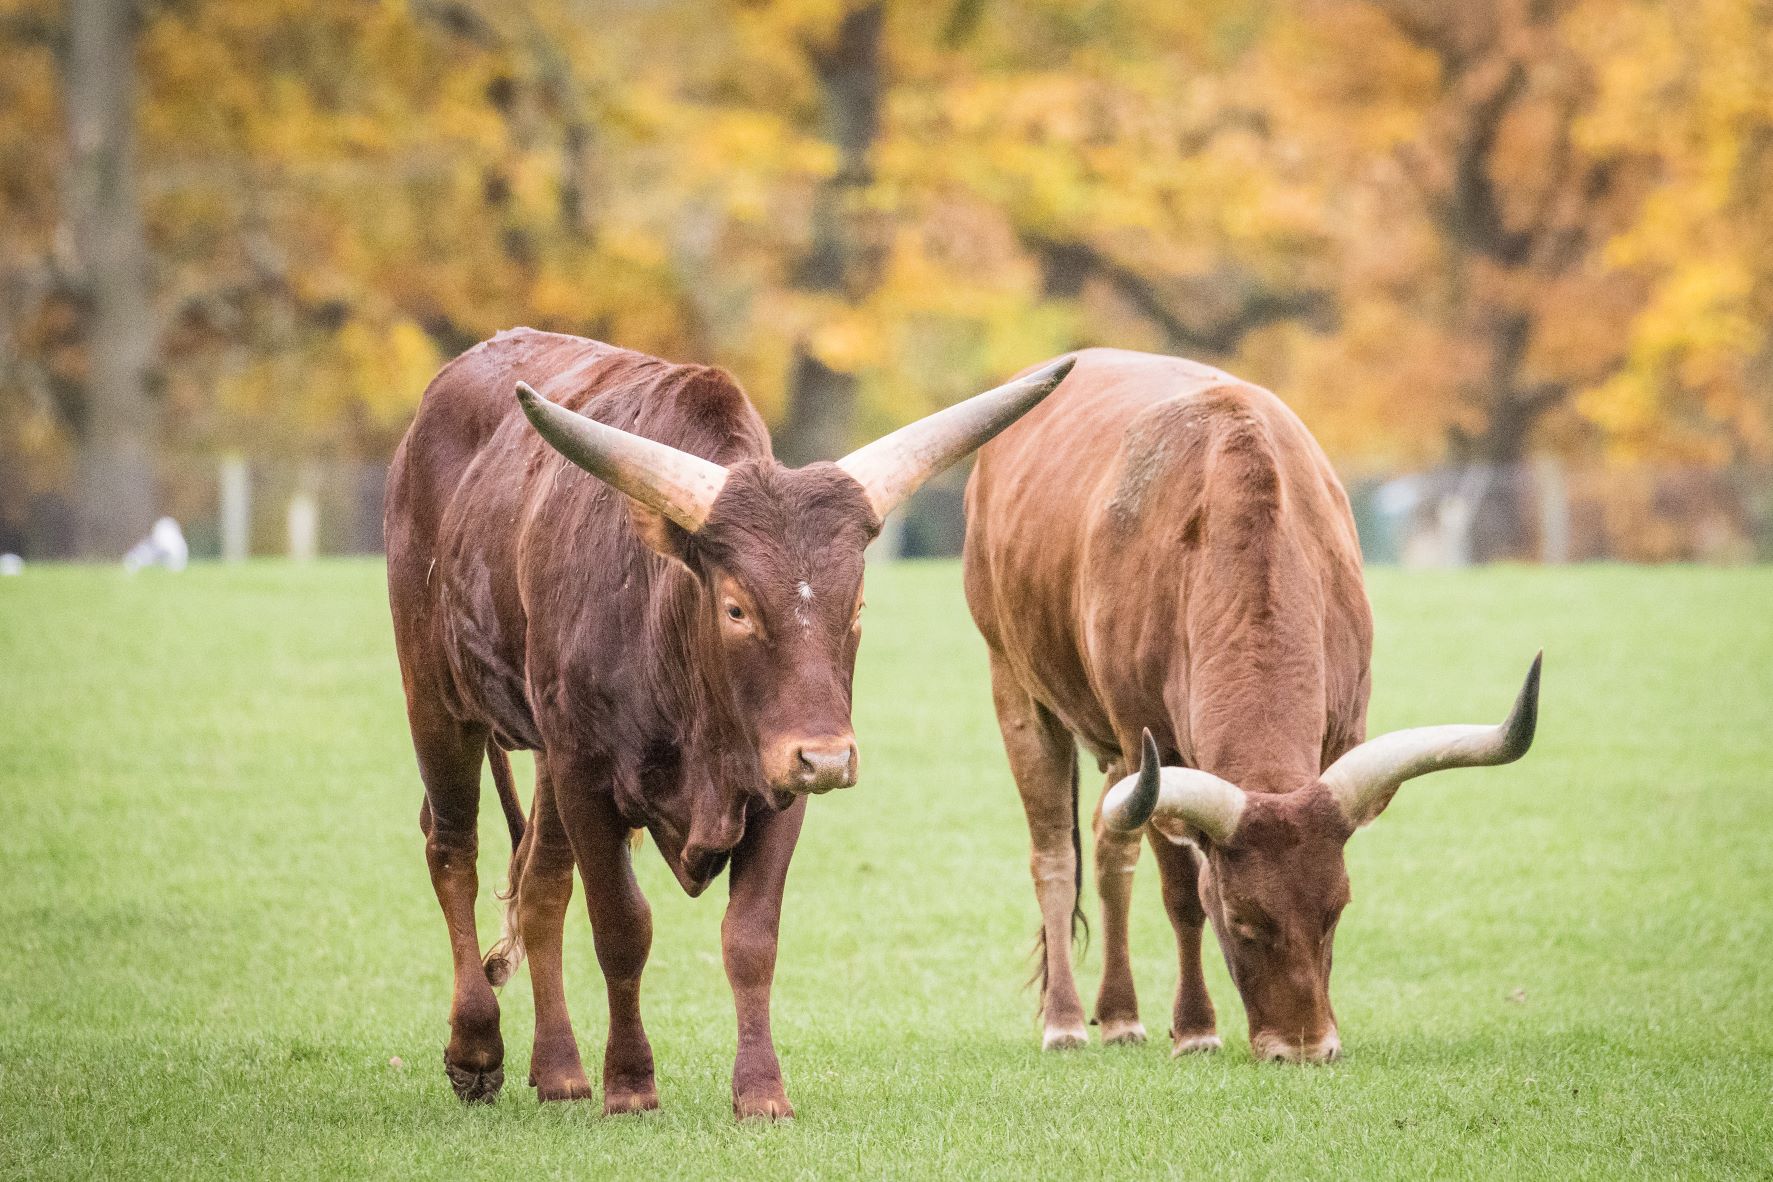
1364	779
893	467
681	486
1202	799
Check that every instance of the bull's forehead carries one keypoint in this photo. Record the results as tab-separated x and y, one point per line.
1288	843
795	537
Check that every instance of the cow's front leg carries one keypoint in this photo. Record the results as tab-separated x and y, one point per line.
1192	1024
748	946
1117	1003
622	930
541	892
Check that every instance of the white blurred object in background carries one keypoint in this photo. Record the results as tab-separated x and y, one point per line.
304	527
164	546
11	564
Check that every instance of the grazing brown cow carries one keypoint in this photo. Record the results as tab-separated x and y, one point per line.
1162	547
679	657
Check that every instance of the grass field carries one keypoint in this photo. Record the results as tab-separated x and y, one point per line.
219	928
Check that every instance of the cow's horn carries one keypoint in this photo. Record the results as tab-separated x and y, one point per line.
1202	799
1364	779
681	486
893	467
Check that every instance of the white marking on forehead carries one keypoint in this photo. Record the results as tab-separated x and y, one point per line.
805	588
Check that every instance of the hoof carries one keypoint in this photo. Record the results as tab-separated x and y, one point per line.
474	1087
621	1103
763	1108
1064	1038
1122	1032
1193	1044
565	1087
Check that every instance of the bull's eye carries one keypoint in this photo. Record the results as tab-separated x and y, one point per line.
736	619
1249	930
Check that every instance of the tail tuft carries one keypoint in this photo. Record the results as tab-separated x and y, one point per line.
502	960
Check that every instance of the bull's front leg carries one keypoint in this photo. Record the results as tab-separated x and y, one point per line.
1117	854
1193	1027
748	947
621	930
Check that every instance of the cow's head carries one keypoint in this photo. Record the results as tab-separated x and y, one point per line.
777	555
1272	877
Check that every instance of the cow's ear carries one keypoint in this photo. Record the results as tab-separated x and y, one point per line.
660	533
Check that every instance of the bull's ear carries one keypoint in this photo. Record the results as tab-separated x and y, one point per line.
660	534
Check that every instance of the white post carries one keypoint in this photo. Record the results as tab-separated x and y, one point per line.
304	526
236	509
1554	510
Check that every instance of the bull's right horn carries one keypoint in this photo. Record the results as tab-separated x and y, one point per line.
681	486
1364	780
1202	799
893	467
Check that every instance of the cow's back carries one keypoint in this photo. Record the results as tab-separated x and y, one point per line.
1162	545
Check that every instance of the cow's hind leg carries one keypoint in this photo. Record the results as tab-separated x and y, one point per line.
1117	1004
1043	760
1193	1027
450	754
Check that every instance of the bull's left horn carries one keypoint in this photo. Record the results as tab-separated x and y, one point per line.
681	486
1202	799
893	467
1364	779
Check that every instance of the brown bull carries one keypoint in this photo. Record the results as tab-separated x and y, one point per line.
1160	547
675	639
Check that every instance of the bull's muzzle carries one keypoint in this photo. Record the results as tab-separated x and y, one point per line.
1274	1048
819	765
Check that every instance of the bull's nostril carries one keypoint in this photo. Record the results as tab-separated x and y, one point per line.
823	766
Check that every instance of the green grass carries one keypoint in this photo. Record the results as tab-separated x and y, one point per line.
219	928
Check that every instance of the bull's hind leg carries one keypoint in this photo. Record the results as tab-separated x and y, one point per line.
1193	1027
1043	760
1117	1004
450	754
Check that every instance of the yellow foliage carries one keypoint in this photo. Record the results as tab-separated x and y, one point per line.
341	194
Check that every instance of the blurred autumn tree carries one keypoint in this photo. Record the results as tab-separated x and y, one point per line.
1474	231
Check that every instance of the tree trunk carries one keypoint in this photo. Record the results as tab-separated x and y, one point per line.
114	423
842	259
